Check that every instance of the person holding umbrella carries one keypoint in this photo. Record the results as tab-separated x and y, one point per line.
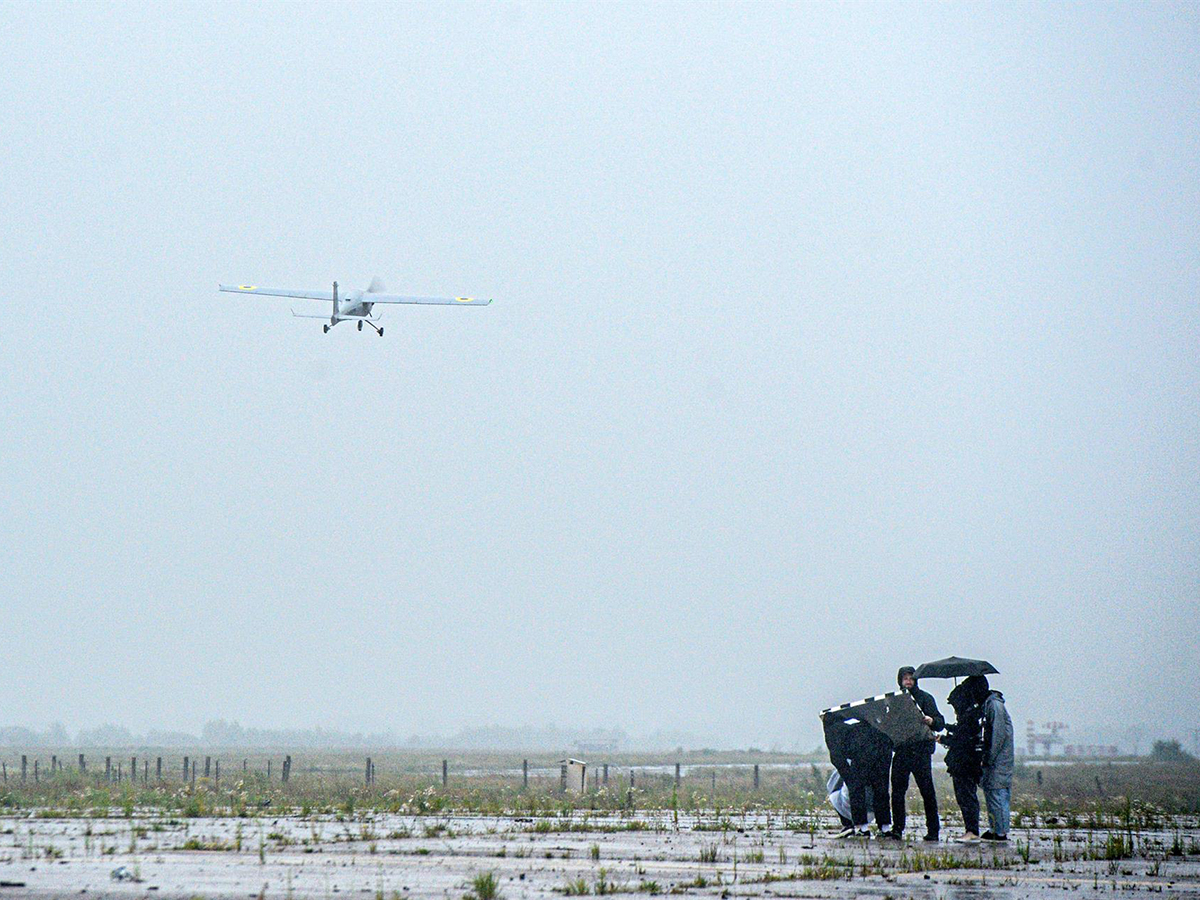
970	760
964	754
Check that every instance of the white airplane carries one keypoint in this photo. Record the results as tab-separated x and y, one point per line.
354	306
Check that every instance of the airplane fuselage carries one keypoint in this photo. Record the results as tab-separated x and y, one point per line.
352	306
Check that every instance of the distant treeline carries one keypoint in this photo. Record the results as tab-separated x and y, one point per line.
220	733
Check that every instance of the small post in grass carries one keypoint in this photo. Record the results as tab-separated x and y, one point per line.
525	775
82	765
445	773
606	774
676	774
756	776
185	769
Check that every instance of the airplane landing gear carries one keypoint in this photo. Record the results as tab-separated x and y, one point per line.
326	327
381	331
360	326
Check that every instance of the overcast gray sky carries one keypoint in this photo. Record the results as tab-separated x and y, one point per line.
826	338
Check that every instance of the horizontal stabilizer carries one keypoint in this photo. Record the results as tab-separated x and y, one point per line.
434	301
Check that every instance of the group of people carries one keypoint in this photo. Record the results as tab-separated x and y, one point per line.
979	753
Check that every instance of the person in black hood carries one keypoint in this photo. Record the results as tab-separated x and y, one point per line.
916	759
861	755
964	754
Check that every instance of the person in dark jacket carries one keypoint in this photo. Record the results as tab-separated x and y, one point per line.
964	755
862	755
916	759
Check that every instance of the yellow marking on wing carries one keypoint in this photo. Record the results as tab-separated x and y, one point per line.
247	287
465	299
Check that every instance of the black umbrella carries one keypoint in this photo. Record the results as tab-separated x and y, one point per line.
955	667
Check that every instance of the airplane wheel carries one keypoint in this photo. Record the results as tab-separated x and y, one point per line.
360	326
381	331
326	327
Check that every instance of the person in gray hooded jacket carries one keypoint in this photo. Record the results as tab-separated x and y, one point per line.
997	762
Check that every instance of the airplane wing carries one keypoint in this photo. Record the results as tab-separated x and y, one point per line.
325	316
434	301
276	292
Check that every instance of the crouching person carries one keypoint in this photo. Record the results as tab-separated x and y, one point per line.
839	799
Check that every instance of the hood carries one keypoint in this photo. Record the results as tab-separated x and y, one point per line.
906	670
977	687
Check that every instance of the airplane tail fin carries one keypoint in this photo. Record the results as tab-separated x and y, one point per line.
376	286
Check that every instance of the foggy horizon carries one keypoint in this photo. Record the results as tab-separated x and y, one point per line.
826	339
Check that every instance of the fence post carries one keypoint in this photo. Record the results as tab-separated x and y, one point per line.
207	766
714	781
133	769
606	774
525	775
445	773
217	773
35	773
82	765
108	768
562	777
367	778
146	770
756	776
185	769
268	770
676	774
158	769
53	763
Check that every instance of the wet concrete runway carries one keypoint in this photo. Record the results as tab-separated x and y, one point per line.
434	858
